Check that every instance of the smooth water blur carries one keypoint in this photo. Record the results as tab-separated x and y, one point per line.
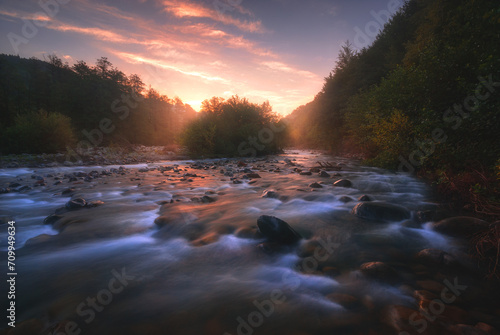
194	276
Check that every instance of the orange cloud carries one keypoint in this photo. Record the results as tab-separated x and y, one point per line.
133	58
278	66
188	9
18	15
104	35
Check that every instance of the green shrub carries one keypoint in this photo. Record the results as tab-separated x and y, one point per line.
233	127
38	132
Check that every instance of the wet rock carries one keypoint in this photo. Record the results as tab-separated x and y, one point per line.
381	211
23	188
52	219
379	271
75	204
314	170
270	194
4	219
460	226
364	197
95	203
435	257
252	175
14	185
345	199
315	185
305	173
277	230
324	174
343	183
4	190
68	191
207	200
163	221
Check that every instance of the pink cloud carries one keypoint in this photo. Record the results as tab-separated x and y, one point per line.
189	9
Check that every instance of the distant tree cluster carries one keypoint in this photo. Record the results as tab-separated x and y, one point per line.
423	96
234	127
47	106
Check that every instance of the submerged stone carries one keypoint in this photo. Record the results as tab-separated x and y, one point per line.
277	230
75	204
381	211
343	183
460	226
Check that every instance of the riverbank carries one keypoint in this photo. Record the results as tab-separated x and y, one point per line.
96	156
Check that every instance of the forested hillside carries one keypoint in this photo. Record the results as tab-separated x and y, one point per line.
49	106
424	97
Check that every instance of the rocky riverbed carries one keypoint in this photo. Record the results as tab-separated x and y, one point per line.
300	243
94	156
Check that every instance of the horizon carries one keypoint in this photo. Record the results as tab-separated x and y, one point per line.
199	49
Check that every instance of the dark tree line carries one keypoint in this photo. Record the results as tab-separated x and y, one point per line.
48	105
423	96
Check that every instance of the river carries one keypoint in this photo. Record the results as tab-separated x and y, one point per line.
173	248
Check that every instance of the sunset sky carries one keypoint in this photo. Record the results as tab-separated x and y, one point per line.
276	50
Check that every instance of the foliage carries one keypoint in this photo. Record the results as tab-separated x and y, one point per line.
87	95
233	127
38	132
419	78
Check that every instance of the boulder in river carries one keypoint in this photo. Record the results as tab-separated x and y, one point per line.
315	185
270	194
343	183
206	199
364	197
251	176
460	226
76	204
324	174
277	230
381	211
52	218
379	271
435	257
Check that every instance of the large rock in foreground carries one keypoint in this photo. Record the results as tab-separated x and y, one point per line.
381	211
460	226
277	230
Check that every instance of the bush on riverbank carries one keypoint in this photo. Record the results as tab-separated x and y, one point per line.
234	127
38	132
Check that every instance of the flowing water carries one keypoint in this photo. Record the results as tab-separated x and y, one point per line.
202	269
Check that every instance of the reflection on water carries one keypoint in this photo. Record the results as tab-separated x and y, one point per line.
194	275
